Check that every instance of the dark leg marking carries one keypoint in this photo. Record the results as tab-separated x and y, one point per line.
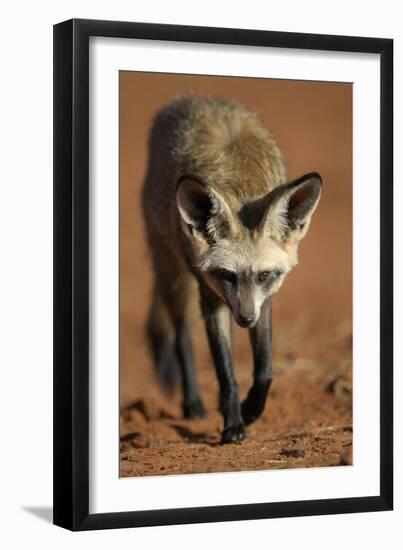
260	337
176	298
192	404
218	325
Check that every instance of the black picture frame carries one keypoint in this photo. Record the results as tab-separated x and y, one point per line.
71	273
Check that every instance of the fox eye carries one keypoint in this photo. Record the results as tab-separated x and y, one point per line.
226	275
263	276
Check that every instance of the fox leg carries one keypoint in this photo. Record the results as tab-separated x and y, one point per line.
218	322
192	404
161	339
260	337
177	297
169	337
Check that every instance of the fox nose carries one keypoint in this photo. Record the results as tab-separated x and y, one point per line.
246	320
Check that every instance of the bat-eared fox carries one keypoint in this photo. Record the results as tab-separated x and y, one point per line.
222	221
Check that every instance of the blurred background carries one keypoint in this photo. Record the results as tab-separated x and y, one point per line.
312	313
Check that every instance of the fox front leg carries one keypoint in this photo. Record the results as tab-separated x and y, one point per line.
218	325
260	337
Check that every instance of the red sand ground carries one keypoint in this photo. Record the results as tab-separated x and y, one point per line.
308	418
307	422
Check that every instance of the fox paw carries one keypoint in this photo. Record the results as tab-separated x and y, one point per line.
249	412
253	406
194	409
233	434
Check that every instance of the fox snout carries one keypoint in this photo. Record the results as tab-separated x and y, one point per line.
244	310
246	321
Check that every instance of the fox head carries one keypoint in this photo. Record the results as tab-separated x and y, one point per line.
244	250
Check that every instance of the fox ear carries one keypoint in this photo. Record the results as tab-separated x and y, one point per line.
290	206
202	210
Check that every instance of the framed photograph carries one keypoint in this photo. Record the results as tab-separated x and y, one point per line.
223	236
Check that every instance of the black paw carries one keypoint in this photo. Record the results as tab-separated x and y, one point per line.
194	409
233	434
250	412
